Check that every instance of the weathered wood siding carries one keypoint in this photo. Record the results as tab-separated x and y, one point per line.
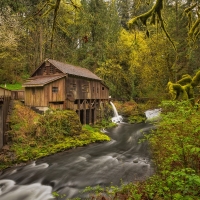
17	94
104	91
1	126
41	96
46	69
82	88
5	92
34	96
4	109
79	90
55	91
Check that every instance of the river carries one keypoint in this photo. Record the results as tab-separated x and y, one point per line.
68	173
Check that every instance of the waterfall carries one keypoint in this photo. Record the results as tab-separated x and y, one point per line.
152	115
116	118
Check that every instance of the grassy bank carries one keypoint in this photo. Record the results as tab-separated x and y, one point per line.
175	146
16	86
33	136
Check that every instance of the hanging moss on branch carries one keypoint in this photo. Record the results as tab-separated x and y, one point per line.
156	9
196	79
193	26
184	88
155	13
186	78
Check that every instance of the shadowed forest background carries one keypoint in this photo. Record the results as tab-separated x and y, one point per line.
134	59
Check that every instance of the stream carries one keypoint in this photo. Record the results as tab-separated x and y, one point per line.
68	173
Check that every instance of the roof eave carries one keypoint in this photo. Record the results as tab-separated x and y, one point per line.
45	83
97	79
33	85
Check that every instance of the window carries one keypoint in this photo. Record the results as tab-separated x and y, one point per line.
54	89
45	70
102	88
85	88
51	69
72	86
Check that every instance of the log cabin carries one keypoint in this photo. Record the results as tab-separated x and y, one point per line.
58	85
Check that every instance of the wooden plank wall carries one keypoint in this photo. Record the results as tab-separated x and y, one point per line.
83	88
1	125
5	92
17	95
4	108
41	96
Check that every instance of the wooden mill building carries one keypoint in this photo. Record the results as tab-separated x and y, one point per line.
59	85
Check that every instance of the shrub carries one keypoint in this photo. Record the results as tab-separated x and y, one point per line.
57	124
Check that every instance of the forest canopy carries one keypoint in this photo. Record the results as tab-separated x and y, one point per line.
135	46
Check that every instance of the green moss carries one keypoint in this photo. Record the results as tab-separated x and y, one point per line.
34	136
185	79
16	86
184	88
136	119
196	79
152	13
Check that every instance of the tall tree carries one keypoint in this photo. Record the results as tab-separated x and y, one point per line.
172	17
98	28
11	58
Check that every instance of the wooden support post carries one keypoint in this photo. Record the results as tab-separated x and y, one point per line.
90	111
95	112
5	108
84	112
79	109
64	105
1	126
99	109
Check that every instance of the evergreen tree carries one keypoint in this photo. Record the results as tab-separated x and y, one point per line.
98	29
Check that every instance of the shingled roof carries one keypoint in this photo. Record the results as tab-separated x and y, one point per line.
41	81
73	70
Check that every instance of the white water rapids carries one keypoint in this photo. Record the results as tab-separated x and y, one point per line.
116	118
68	173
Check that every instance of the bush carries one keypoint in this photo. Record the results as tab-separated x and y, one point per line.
33	136
57	124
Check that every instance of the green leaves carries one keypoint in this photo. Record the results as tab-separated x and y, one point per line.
34	136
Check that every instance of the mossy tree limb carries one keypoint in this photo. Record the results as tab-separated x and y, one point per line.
154	13
156	9
193	26
177	91
184	88
185	79
196	79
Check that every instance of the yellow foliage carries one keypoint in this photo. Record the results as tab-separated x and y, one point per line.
185	79
148	61
196	79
